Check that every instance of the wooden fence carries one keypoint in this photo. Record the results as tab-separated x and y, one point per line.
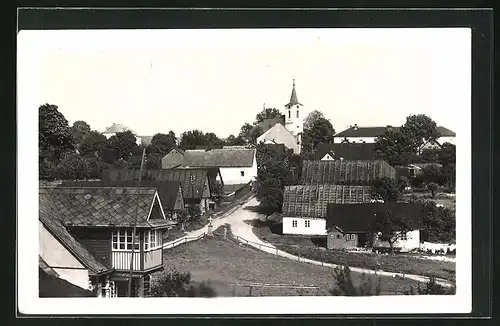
280	288
182	240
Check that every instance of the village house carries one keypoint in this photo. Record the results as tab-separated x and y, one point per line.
86	236
50	285
346	151
305	206
355	134
117	128
350	226
237	164
413	170
345	172
198	184
173	158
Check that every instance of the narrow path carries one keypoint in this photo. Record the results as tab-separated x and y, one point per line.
243	233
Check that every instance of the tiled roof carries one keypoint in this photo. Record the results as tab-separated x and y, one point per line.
345	172
359	217
209	146
167	190
101	206
356	131
116	127
348	151
192	180
50	286
229	189
219	158
312	200
49	215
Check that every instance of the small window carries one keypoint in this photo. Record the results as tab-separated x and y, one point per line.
294	223
297	106
338	236
403	236
297	113
411	172
289	114
348	237
308	223
242	173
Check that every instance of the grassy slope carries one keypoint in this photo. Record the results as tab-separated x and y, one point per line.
223	261
305	247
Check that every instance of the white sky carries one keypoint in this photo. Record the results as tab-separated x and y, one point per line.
215	80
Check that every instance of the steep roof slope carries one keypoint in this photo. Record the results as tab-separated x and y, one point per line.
348	151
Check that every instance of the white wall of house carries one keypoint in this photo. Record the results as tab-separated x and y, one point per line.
327	157
412	242
338	140
239	175
443	140
304	226
278	134
61	260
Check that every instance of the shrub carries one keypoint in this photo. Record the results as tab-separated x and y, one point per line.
430	288
345	287
177	284
433	187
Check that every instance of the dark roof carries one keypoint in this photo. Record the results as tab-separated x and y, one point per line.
228	189
348	151
359	217
345	172
312	200
267	124
192	180
240	157
167	189
101	206
50	286
180	150
50	216
209	146
356	131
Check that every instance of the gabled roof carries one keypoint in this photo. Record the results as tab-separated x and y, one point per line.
267	124
167	190
348	151
102	206
219	158
178	149
51	217
116	127
359	217
356	131
50	286
312	200
192	180
345	172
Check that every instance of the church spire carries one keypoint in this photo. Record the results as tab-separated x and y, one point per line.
293	98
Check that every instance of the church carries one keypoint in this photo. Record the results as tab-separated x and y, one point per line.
287	129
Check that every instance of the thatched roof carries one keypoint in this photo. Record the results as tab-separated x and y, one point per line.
312	200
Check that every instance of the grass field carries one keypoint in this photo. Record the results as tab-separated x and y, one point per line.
310	248
223	262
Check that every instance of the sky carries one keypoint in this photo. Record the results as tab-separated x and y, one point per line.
216	80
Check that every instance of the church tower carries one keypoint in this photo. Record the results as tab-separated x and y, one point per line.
293	116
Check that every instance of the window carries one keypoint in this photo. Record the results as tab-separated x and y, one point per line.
294	223
121	239
242	173
403	236
297	113
289	114
338	236
153	240
348	237
308	223
411	172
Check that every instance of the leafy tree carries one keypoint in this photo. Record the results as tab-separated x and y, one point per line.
213	139
249	134
431	288
447	154
194	212
71	167
267	113
92	144
311	118
191	139
234	141
161	144
178	284
121	145
432	173
94	167
403	182
430	155
449	175
78	131
319	130
393	147
390	227
418	130
344	285
438	223
386	189
433	188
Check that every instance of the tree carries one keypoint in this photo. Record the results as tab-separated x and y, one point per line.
267	113
390	227
403	182
54	138
344	285
430	155
418	130
249	134
178	284
231	140
194	212
213	139
432	287
191	139
432	173
438	223
433	187
447	154
78	131
161	144
393	147
449	176
92	144
311	118
71	167
319	130
386	189
122	144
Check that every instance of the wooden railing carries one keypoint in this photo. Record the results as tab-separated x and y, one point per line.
182	240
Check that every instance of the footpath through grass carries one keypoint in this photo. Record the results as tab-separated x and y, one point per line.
224	262
314	248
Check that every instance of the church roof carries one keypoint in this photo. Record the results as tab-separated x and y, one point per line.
293	98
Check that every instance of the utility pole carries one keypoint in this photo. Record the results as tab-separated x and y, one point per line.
135	225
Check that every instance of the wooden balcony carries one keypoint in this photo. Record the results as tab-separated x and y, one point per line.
120	260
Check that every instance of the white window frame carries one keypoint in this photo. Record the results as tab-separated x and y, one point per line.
123	238
294	223
153	240
307	223
403	236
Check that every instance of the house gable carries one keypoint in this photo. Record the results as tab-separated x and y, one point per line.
156	210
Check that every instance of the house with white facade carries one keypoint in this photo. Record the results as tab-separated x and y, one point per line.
359	134
351	226
117	128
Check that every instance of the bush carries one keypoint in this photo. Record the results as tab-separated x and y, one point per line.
430	288
345	287
177	284
387	190
433	188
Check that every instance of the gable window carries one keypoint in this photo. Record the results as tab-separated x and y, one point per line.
308	223
242	173
294	223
